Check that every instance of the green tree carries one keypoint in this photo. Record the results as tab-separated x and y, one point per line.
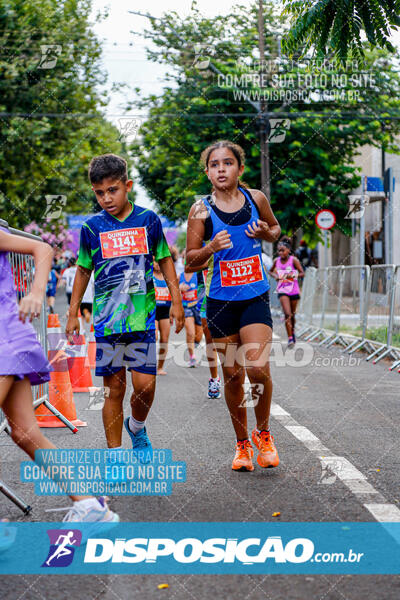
311	168
51	107
337	25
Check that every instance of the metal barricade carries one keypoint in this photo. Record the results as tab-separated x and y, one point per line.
319	303
273	297
354	306
23	269
357	306
394	331
304	314
333	304
380	312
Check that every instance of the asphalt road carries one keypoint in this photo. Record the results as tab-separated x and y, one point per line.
328	407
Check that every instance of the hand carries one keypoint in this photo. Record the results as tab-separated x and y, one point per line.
221	241
31	305
176	312
73	326
257	229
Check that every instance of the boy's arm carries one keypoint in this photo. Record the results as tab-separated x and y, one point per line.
81	281
171	279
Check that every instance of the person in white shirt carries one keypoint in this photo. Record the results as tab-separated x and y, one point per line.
68	276
87	300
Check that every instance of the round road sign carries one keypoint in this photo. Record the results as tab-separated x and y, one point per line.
325	219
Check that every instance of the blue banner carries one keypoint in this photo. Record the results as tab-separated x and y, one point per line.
200	548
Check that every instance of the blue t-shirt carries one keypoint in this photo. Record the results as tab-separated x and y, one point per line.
121	255
51	287
189	298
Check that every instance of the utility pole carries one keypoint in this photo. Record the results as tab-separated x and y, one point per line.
263	118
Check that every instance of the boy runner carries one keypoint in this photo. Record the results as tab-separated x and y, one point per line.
118	244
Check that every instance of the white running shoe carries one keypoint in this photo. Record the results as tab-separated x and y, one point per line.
96	511
214	389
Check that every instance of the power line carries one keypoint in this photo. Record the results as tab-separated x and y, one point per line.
273	115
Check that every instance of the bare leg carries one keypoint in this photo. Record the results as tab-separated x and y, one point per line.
165	327
144	385
233	383
293	305
87	315
198	336
18	408
50	303
287	311
113	416
212	356
258	371
190	331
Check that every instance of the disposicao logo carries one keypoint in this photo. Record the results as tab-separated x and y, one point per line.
61	551
191	550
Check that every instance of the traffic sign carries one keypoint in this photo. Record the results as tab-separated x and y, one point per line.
325	219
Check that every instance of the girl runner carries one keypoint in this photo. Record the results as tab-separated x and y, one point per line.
23	363
286	269
163	304
234	220
188	287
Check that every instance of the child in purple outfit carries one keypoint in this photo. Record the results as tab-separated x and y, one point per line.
287	269
23	363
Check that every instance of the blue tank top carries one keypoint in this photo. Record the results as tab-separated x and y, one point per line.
236	273
190	296
163	297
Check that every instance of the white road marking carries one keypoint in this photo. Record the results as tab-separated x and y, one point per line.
341	468
384	512
309	439
277	410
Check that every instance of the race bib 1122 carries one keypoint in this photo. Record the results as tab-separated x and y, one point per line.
241	271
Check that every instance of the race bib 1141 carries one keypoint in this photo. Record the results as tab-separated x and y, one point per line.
124	242
240	272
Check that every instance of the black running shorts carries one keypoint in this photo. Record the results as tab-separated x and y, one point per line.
228	317
162	312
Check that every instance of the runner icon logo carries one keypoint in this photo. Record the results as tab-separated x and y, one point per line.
330	466
61	551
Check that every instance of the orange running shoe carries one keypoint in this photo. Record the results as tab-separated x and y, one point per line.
267	453
244	454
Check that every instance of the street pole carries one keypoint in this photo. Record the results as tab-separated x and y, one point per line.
264	120
325	248
390	216
362	242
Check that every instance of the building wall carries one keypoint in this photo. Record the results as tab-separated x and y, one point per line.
345	250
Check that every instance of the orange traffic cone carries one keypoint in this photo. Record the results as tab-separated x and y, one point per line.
78	364
60	389
92	348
